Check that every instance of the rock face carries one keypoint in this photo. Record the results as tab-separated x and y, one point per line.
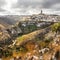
3	34
7	35
14	31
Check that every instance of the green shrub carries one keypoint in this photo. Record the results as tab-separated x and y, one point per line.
56	27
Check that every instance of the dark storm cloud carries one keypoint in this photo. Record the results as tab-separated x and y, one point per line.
36	3
50	3
27	6
30	6
2	2
27	3
2	10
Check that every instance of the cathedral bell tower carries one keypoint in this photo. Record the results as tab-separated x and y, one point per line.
41	12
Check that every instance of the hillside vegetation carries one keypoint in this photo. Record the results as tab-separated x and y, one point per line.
44	42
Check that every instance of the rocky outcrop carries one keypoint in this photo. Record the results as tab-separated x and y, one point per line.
3	34
9	34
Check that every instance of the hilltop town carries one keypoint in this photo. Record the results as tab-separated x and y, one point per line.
42	17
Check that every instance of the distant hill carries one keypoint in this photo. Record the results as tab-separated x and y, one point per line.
11	19
6	21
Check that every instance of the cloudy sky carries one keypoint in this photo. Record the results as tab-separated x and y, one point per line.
27	7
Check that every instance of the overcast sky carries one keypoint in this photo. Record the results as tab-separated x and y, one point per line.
27	7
